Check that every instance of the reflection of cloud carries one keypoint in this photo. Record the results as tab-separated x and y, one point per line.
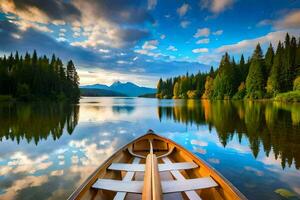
28	181
199	150
238	147
4	170
256	171
214	160
57	173
270	160
22	163
199	143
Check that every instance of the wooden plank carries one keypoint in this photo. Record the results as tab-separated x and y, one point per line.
190	194
119	186
156	184
161	167
188	184
127	167
128	177
177	166
147	187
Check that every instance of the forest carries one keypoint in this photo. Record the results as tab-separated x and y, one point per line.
275	74
38	78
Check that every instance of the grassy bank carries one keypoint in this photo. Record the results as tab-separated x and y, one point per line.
292	96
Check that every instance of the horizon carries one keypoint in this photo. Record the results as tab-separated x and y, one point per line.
135	41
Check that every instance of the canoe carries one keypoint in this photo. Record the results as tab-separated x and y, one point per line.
154	167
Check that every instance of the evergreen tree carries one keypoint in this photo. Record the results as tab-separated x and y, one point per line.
224	85
273	84
285	73
269	59
255	78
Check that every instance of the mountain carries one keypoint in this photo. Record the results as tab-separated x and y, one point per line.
96	86
94	92
127	89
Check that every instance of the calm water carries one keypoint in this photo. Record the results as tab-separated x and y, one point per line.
46	151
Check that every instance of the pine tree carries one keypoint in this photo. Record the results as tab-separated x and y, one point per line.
269	60
255	78
273	84
224	85
285	73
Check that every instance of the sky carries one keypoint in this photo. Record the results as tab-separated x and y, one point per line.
141	41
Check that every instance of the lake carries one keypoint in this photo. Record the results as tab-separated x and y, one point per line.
48	149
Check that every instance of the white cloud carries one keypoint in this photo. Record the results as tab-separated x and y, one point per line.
218	32
290	21
58	22
147	52
249	44
61	39
76	34
162	36
172	48
200	50
63	30
216	6
150	45
15	35
104	50
203	41
135	58
204	32
183	9
184	24
61	34
209	59
24	25
152	4
121	62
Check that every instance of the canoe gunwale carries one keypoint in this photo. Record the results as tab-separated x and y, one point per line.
196	159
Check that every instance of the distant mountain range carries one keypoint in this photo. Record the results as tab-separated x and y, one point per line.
116	89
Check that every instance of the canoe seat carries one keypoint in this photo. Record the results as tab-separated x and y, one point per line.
161	167
167	186
207	182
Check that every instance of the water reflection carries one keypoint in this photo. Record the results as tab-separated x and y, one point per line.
46	151
36	121
275	126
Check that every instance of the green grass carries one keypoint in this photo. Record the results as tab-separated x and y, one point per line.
292	96
6	98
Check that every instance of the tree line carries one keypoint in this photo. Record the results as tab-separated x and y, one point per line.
260	76
33	77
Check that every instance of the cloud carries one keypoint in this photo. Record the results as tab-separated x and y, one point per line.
183	9
290	21
218	32
200	50
162	36
150	45
204	32
249	44
203	41
184	24
41	11
172	48
216	6
152	4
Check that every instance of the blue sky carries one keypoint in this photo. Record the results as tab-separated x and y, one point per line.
140	41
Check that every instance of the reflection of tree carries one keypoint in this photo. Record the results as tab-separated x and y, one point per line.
274	126
36	121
